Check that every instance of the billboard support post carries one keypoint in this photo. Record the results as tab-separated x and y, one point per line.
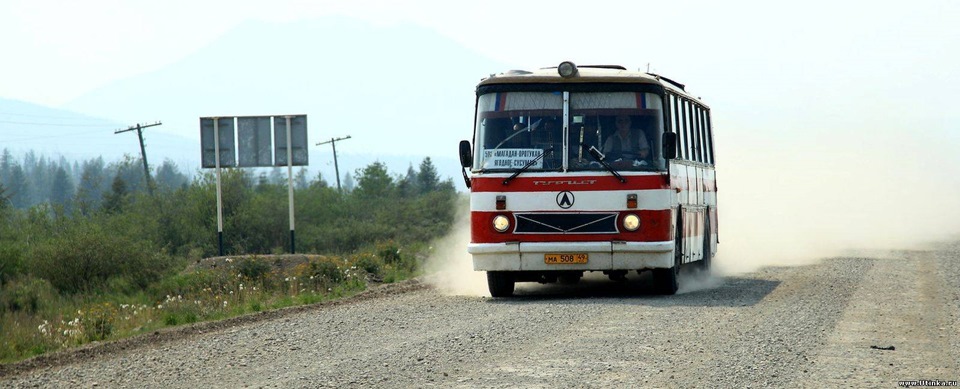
216	147
293	246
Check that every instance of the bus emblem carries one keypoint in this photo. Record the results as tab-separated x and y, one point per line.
565	199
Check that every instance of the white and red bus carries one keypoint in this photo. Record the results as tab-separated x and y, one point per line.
558	188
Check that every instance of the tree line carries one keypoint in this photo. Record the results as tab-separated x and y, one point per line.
94	223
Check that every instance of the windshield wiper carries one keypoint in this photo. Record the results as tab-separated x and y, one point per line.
532	127
597	155
527	166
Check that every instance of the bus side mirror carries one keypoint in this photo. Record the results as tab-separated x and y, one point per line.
466	160
466	154
669	145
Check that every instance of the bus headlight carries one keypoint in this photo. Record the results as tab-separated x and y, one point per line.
501	223
631	222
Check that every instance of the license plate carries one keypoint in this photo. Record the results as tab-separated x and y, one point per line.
565	259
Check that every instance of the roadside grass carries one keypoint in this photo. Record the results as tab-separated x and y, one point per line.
35	318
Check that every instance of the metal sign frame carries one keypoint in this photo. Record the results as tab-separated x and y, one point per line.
219	148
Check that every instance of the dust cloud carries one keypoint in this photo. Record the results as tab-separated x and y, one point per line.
797	200
450	267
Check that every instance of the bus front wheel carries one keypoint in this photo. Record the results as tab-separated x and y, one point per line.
500	283
668	280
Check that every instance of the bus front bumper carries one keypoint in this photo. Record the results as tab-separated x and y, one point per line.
530	256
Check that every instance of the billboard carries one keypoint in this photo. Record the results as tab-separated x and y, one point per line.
208	147
298	139
254	143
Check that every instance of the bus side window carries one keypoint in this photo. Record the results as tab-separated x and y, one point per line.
685	122
696	131
691	127
678	128
710	136
701	118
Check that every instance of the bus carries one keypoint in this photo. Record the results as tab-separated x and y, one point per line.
576	169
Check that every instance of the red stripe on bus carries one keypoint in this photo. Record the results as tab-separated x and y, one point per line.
572	183
581	183
655	226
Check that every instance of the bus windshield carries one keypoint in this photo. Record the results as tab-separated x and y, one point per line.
515	128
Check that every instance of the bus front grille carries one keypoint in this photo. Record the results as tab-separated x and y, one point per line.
566	223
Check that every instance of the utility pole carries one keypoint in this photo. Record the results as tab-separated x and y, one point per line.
333	142
143	151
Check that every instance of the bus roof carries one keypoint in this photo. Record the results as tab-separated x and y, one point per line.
585	74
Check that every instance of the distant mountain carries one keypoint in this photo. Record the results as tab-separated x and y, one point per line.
402	92
56	132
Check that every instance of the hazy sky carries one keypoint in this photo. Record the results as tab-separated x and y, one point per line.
56	50
836	121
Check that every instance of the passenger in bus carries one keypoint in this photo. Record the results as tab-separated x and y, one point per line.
516	136
622	150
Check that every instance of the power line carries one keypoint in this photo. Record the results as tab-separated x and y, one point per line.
73	117
55	124
48	137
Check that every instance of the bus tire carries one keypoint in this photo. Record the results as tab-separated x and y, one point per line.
707	261
500	283
668	280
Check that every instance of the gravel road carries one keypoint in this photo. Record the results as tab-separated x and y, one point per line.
806	326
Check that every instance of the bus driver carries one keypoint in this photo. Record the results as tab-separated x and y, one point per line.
620	150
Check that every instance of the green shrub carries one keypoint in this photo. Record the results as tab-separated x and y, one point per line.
98	321
253	268
26	295
10	261
370	264
326	271
389	253
84	257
